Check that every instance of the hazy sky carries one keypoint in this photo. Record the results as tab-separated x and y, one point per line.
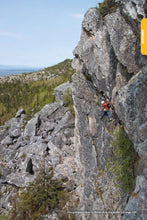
40	33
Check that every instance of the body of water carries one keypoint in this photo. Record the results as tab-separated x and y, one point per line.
8	72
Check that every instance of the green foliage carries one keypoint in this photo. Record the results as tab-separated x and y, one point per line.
126	75
42	196
67	97
122	165
68	101
107	6
31	96
59	69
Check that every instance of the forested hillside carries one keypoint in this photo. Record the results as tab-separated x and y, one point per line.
31	91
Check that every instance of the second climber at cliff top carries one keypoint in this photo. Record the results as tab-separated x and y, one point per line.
106	109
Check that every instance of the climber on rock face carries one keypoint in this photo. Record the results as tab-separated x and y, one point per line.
106	109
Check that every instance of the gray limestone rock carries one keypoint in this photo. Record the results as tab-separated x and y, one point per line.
92	21
15	133
123	40
106	58
7	141
48	110
20	113
142	151
137	202
60	90
130	105
46	139
134	8
32	126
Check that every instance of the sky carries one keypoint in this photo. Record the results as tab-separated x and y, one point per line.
40	33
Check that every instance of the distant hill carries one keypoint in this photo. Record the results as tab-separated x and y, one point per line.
7	70
31	91
42	74
17	67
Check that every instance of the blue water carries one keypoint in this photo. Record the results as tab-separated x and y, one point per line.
8	72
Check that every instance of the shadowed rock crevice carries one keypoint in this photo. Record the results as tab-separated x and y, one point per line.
29	167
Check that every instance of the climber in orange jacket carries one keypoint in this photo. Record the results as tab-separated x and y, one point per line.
106	109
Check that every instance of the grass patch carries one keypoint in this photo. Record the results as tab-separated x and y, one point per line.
124	158
126	75
107	7
68	101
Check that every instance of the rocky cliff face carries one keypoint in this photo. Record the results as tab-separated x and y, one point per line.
108	63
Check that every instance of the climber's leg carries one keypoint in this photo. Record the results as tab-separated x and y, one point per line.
108	113
102	114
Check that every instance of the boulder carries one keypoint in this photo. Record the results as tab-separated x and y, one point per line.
60	90
32	126
7	141
19	113
15	133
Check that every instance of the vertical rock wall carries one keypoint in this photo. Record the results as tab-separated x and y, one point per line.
108	63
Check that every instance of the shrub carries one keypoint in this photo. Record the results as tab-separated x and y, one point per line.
107	6
122	165
67	98
68	101
42	196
